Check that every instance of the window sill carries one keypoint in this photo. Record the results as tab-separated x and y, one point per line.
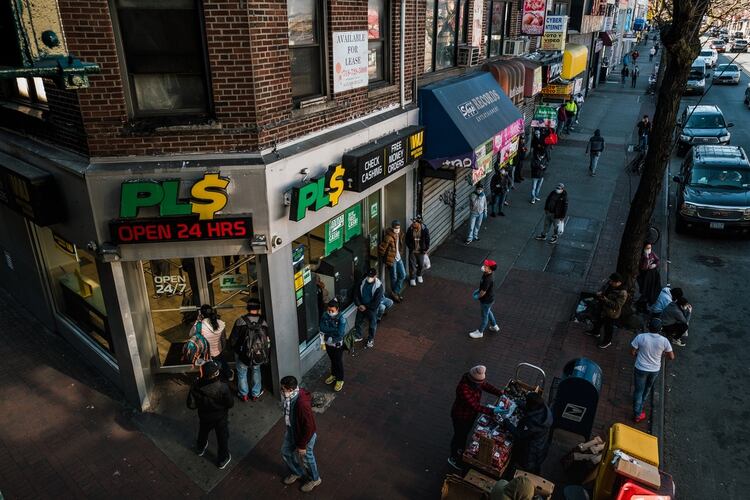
163	126
37	113
313	109
381	90
428	78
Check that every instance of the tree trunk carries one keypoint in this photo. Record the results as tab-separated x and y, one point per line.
681	46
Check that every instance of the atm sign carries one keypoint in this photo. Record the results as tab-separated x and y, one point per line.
182	229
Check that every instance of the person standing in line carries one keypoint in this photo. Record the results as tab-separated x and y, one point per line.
477	212
634	75
486	296
368	297
571	109
418	243
499	186
520	157
649	279
648	348
213	329
213	399
250	342
538	167
392	250
675	319
333	328
595	148
579	99
466	407
555	210
562	118
624	72
635	55
644	130
610	298
300	436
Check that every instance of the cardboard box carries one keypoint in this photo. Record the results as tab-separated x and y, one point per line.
640	471
455	488
542	487
480	480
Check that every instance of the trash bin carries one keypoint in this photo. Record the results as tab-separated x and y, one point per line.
577	397
635	443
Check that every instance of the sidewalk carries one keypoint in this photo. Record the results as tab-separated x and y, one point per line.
386	435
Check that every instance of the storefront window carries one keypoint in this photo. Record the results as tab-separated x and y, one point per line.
445	28
75	286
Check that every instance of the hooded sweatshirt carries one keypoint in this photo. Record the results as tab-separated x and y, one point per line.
531	444
369	295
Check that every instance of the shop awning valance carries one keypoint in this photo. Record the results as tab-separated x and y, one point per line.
608	37
461	114
575	59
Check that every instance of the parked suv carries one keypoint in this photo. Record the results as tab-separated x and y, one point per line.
739	45
714	189
702	124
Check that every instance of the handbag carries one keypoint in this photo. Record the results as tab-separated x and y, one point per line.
427	264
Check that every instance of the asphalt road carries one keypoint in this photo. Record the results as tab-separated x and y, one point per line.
707	406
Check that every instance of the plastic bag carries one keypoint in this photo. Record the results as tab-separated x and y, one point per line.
427	264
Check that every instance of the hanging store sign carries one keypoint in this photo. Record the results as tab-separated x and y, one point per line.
353	221
323	191
534	12
169	285
334	235
544	116
374	162
179	229
232	282
30	191
505	144
207	197
555	28
350	60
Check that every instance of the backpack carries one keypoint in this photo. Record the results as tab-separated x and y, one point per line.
257	346
551	139
196	348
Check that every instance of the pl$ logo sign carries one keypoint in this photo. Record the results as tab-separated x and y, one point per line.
207	196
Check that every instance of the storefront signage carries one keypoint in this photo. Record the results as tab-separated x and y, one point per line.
349	60
353	221
483	163
323	191
207	196
555	28
334	235
609	22
169	285
232	282
544	116
553	71
372	163
532	22
179	229
505	144
558	89
30	191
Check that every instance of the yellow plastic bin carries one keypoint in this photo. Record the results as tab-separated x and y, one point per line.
637	444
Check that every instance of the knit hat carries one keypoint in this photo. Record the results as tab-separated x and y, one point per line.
417	218
561	186
395	223
478	373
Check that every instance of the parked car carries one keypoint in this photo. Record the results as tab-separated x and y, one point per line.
727	73
702	124
714	190
747	95
719	45
739	45
738	34
696	82
709	56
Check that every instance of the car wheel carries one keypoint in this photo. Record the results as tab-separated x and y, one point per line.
679	227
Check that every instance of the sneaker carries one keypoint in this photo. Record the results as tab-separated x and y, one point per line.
310	485
476	334
260	394
641	417
604	346
533	200
679	342
291	479
452	462
370	344
476	239
467	242
507	204
420	280
339	385
223	464
331	379
541	237
553	240
495	328
202	451
243	397
412	282
358	338
538	199
592	333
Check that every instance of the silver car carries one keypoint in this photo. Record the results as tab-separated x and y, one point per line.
727	73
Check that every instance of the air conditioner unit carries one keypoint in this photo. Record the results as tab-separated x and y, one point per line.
468	55
515	47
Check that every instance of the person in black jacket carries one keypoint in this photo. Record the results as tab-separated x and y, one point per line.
254	325
555	210
538	166
418	243
368	297
531	436
499	186
213	399
519	158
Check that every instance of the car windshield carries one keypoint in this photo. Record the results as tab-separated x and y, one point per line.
696	74
720	177
727	68
706	53
705	121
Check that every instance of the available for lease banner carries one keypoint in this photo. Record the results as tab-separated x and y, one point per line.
534	12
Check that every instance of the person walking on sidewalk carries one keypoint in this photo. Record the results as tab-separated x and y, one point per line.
520	157
555	210
675	319
531	436
651	54
562	117
634	75
333	328
595	148
644	130
252	345
466	407
486	296
477	212
571	109
649	279
579	99
610	299
499	185
368	297
538	167
648	348
213	399
624	72
392	250
300	435
213	329
418	243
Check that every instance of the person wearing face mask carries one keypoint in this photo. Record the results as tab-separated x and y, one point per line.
333	328
368	297
392	251
486	296
477	212
675	319
418	243
250	342
300	435
538	166
555	210
649	279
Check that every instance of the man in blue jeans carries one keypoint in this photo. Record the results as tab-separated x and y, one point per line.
254	326
299	436
486	296
477	212
393	252
648	348
369	299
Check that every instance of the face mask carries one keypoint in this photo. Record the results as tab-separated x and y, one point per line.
371	280
479	191
397	230
558	191
333	314
647	251
482	268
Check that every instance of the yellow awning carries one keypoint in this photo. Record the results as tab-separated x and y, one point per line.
575	58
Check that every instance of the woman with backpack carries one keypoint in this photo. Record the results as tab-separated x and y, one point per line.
250	342
212	329
333	328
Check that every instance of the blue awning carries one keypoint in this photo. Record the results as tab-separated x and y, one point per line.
462	113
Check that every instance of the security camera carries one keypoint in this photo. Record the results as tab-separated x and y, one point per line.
92	246
276	241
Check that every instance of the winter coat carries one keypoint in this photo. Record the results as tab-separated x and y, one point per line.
596	144
212	398
302	419
500	183
562	115
612	300
333	328
387	247
531	439
673	314
647	260
468	403
557	204
424	239
538	166
478	203
376	293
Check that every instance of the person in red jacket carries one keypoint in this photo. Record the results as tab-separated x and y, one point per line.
300	436
466	408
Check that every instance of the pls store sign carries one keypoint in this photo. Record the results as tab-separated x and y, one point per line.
191	219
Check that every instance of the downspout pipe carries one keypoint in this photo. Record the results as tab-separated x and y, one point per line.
402	54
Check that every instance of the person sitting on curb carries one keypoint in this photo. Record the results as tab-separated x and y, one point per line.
418	243
368	297
648	348
555	210
519	488
675	319
610	299
666	297
333	328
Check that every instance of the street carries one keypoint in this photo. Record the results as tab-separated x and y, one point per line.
706	402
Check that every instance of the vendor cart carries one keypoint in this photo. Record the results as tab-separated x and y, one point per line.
490	442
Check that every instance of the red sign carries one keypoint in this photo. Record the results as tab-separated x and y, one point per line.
179	229
534	12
